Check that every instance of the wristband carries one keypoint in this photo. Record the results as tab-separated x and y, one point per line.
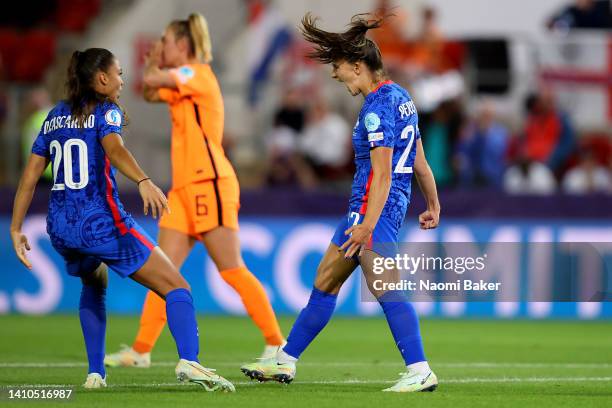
144	179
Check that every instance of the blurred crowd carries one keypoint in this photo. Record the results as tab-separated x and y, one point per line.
469	138
309	144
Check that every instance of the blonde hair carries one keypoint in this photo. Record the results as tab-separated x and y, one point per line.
195	29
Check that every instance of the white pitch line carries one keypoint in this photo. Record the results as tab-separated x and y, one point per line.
347	382
492	365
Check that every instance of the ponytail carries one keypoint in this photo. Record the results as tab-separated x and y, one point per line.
351	45
202	46
195	30
80	93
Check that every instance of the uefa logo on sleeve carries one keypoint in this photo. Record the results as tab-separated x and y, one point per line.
113	117
372	121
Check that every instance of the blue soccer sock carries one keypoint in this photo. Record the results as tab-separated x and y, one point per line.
182	323
404	324
310	322
92	313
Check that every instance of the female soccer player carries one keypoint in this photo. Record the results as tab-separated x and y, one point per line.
388	150
86	221
205	195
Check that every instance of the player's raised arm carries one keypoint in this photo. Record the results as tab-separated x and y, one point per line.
23	198
123	160
430	218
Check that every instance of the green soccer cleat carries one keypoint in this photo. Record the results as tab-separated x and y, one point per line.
191	371
94	380
269	369
128	357
412	381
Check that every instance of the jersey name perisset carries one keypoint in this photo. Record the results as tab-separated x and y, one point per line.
61	122
407	109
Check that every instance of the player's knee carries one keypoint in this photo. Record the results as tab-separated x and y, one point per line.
371	288
98	277
326	283
177	281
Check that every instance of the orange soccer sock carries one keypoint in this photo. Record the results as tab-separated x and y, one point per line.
255	301
152	322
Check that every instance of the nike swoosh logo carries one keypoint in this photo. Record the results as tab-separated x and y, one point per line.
425	379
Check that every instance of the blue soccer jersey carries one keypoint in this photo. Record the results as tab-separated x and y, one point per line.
84	206
388	118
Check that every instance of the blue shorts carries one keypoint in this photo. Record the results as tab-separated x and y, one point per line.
124	255
384	237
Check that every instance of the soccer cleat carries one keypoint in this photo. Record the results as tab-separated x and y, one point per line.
269	369
128	357
94	380
270	351
412	381
191	371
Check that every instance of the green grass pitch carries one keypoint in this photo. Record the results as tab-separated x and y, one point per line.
479	364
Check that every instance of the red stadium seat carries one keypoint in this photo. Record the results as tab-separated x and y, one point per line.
75	15
9	48
34	56
600	145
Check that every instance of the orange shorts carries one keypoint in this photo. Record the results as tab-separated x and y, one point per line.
201	207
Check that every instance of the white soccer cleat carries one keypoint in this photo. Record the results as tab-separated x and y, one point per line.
412	381
191	371
270	369
270	351
128	357
94	380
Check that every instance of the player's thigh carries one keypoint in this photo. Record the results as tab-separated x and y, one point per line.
367	261
334	269
175	244
159	274
223	246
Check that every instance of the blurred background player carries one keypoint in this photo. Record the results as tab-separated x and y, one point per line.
388	149
86	221
205	194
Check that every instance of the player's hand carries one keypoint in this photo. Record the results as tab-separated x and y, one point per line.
359	238
429	219
154	198
154	56
21	245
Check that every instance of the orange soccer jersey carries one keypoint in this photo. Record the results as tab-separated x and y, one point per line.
196	107
205	192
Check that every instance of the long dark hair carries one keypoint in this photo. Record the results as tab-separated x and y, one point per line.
351	45
80	92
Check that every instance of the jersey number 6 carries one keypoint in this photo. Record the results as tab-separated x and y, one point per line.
407	133
66	152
